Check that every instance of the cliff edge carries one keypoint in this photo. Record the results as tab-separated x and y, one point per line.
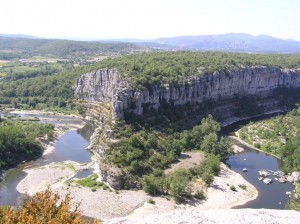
221	90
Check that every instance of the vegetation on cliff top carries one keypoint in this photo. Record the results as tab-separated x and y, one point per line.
43	91
148	69
50	86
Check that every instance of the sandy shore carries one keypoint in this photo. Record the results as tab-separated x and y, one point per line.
219	196
43	112
104	204
100	204
40	178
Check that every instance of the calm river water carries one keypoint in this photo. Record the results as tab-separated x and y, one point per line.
70	146
270	196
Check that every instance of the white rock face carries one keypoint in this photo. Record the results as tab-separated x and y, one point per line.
296	176
104	85
233	216
99	85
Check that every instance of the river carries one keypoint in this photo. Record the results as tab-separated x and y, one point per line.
71	146
272	196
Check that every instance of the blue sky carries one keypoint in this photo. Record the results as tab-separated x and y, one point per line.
99	19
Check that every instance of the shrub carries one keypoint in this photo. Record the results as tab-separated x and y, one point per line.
207	177
293	204
151	201
243	186
178	185
153	185
232	187
257	145
200	195
43	207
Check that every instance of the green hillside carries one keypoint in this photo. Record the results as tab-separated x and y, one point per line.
11	48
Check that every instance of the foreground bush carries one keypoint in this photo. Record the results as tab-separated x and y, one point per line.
43	208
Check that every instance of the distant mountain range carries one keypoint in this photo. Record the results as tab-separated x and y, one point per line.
234	42
18	36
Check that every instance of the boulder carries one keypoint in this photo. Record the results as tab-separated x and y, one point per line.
267	180
115	178
263	173
290	179
296	176
281	180
279	173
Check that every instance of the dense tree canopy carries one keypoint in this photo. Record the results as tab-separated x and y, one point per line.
18	141
141	151
145	70
47	87
279	135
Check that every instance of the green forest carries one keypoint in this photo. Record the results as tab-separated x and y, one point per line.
18	141
50	85
144	153
17	48
147	69
45	90
279	136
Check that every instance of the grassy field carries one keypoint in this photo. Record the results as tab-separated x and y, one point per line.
16	68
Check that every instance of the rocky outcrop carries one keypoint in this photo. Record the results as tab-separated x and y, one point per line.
114	176
107	85
100	86
217	93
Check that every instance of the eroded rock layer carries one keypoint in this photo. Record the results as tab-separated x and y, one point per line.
217	88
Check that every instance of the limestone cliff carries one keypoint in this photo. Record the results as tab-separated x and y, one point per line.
216	93
107	85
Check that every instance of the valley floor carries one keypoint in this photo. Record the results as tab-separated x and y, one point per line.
132	206
104	204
